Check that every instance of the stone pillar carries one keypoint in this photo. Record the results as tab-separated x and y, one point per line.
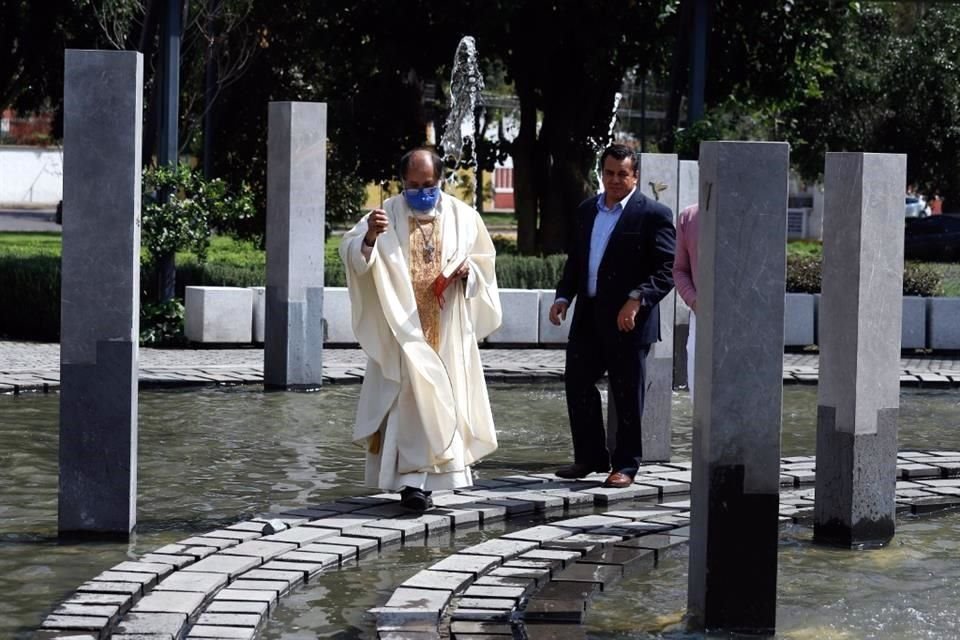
658	181
296	195
858	396
686	195
737	408
100	292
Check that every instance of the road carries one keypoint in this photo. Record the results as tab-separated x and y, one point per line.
28	220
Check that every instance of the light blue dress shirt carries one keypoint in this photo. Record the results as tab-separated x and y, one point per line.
603	226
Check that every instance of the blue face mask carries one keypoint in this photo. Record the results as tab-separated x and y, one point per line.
423	199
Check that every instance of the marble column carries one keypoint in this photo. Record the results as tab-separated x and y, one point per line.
100	293
686	195
858	396
658	181
737	408
296	195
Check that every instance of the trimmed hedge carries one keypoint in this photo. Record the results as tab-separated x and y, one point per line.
30	286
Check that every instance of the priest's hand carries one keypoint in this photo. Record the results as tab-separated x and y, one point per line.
558	312
377	223
463	272
627	318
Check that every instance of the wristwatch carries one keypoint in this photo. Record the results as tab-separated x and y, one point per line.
636	294
369	244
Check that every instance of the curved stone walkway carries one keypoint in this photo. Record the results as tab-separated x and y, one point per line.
225	583
35	367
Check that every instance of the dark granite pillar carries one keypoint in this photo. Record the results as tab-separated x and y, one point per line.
100	289
858	396
296	196
738	400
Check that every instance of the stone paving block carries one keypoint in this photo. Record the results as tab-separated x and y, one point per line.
563	556
540	575
123	602
259	549
912	471
246	595
482	615
366	539
197	581
408	529
666	487
109	611
341	522
585	523
568	591
392	510
639	514
440	580
603	496
512	508
565	544
183	602
228	534
260	527
490	591
451	499
197	552
300	535
460	517
458	627
259	609
502	604
555	632
160	570
196	541
501	548
934	503
657	542
288	577
131	589
409	598
488	512
250	620
280	588
570	611
309	513
150	624
526	584
228	565
175	560
345	549
629	559
466	563
310	560
541	533
571	498
594	573
75	623
600	537
222	633
146	580
542	501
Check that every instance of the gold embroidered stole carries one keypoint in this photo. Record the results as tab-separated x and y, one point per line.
423	271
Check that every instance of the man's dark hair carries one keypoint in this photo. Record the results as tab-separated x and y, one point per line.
434	157
620	152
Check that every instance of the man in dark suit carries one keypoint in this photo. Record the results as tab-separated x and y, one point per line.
618	268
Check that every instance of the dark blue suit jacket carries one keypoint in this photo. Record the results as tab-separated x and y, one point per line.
639	256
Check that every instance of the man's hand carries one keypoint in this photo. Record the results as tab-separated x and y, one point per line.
558	312
377	223
627	318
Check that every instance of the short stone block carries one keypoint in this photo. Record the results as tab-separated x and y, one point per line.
259	549
943	323
259	313
184	602
466	563
151	624
337	318
218	314
236	607
247	595
228	565
798	319
429	599
500	548
439	580
521	308
549	333
222	632
192	581
913	330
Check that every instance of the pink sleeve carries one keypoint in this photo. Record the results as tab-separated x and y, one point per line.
682	271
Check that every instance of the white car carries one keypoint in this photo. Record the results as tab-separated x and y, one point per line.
916	207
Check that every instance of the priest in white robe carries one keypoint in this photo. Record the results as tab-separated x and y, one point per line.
424	415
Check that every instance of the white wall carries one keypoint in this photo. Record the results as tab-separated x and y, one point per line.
31	175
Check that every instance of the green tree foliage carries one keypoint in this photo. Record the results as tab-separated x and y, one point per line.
186	218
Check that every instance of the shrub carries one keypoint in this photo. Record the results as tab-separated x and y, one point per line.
803	273
919	279
30	290
161	323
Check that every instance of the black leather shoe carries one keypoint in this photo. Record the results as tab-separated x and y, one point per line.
576	471
415	499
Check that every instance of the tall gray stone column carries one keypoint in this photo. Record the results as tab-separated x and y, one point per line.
296	196
689	179
858	396
658	181
737	407
100	292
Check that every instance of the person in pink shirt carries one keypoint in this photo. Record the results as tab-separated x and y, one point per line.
685	277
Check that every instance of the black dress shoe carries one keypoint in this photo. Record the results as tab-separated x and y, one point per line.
576	471
415	499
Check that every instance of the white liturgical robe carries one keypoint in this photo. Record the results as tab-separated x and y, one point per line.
424	415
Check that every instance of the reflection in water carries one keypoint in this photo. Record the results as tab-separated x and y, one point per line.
211	457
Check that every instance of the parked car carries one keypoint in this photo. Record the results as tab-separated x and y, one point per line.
933	239
916	207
